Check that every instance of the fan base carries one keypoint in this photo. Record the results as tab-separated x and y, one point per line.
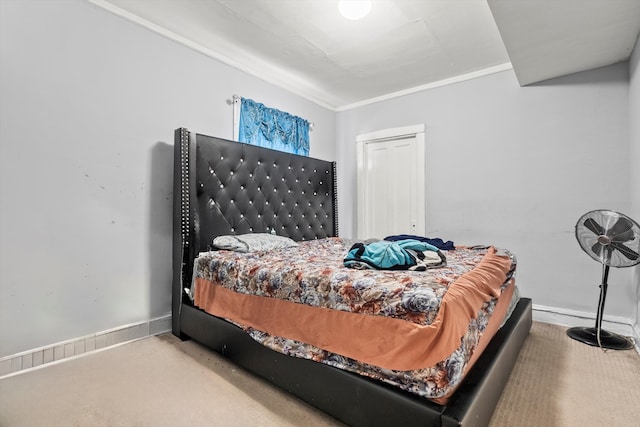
608	339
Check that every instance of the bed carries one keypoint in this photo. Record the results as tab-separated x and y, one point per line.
225	188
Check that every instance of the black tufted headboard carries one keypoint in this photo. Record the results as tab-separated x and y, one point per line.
226	187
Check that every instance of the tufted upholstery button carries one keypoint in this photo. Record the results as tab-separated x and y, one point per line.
240	179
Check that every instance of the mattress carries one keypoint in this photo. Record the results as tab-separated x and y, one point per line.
420	331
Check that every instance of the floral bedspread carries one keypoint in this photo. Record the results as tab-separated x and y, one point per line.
313	274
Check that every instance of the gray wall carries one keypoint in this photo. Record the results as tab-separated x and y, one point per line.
88	105
634	136
516	167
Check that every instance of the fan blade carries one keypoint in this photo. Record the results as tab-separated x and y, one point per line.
626	251
592	225
597	249
622	230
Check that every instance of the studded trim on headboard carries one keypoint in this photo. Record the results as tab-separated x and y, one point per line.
227	187
184	186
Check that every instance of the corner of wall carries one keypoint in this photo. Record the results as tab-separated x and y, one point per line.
634	156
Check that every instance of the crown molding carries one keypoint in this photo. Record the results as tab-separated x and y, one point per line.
269	74
440	83
284	79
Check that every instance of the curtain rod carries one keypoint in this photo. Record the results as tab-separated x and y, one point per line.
236	98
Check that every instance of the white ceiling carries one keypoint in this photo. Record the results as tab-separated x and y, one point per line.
402	46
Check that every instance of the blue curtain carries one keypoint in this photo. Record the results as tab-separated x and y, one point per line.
271	128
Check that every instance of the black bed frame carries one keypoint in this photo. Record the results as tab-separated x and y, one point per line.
225	187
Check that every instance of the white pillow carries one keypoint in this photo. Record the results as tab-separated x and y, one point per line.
252	242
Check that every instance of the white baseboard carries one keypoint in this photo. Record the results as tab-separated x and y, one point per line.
33	359
570	318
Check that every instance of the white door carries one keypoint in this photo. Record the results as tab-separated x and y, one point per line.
391	166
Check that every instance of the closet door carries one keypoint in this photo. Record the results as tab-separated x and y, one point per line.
391	167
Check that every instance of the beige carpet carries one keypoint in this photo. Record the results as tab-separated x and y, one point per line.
161	381
558	381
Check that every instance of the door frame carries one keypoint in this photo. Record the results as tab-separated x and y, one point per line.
405	132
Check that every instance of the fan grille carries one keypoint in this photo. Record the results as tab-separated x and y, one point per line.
609	237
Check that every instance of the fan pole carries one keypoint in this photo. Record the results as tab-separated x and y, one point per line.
597	337
603	297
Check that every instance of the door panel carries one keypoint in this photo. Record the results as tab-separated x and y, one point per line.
391	186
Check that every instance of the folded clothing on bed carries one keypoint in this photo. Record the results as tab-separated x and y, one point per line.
435	241
407	254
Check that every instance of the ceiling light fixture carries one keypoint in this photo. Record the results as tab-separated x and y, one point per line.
354	9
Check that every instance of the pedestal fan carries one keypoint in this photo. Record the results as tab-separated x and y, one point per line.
613	239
